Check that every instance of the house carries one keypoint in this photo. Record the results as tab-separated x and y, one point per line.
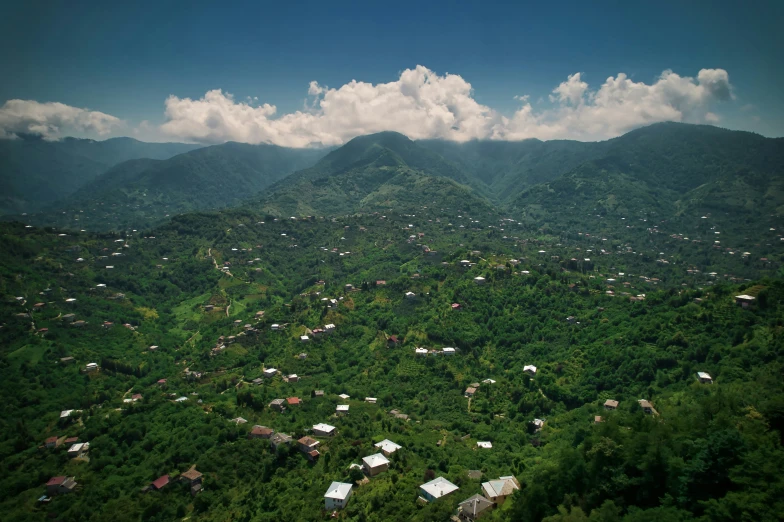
65	414
270	372
160	483
342	409
704	378
78	449
436	488
38	306
279	439
647	407
307	444
470	391
79	323
318	393
538	424
68	318
349	287
392	341
292	378
410	295
278	404
108	324
530	369
455	306
304	339
275	326
465	262
610	404
479	280
344	396
323	430
420	352
387	447
153	348
260	432
91	367
488	381
260	314
484	445
293	401
375	464
744	300
60	485
51	442
472	508
192	477
337	495
598	419
67	360
161	382
302	356
329	328
380	282
239	420
71	440
257	381
497	490
449	351
209	308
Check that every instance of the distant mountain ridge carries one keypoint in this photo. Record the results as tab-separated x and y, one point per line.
35	172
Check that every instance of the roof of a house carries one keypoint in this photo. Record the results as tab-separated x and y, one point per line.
338	490
280	438
191	474
438	487
342	407
307	441
373	461
475	505
160	482
56	481
261	430
612	403
485	444
470	390
703	375
388	446
503	486
323	427
293	400
645	404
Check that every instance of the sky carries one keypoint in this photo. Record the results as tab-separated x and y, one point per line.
308	73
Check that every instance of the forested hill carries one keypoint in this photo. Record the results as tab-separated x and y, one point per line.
35	172
670	172
380	172
196	332
140	193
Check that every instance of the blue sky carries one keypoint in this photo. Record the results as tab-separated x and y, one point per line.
125	59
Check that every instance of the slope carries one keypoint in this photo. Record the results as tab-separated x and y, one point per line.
35	172
138	193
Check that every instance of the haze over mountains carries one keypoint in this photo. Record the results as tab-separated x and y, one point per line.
670	169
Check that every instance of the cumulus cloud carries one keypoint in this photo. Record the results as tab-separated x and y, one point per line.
423	104
52	120
619	105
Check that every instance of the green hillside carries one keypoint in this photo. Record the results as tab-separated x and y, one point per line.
35	172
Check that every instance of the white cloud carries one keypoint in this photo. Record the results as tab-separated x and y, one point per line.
52	120
619	106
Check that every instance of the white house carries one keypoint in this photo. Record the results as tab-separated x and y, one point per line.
479	280
78	449
323	430
91	367
538	424
449	351
342	409
304	338
485	445
436	488
410	295
388	447
704	378
530	369
375	464
329	328
337	495
420	351
270	372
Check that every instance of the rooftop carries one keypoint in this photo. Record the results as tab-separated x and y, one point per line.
338	490
376	460
439	487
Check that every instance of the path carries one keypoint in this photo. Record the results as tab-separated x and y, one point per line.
227	308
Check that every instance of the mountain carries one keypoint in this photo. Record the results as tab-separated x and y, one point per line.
140	192
35	172
376	172
668	171
506	168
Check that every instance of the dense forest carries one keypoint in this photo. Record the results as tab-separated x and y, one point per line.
184	337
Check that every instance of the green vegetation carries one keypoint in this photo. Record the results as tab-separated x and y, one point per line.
608	280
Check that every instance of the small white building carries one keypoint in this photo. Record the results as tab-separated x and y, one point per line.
485	445
436	488
388	447
329	328
78	449
91	367
304	338
449	351
342	409
479	280
323	430
410	295
270	372
420	352
704	378
530	369
337	495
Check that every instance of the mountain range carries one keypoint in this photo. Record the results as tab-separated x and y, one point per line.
664	171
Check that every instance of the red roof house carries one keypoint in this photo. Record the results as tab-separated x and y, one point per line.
160	482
